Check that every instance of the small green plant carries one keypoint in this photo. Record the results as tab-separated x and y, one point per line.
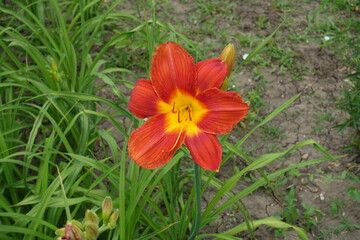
354	193
350	103
272	132
290	214
336	206
308	217
311	216
262	22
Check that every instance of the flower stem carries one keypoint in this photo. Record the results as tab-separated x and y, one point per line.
197	220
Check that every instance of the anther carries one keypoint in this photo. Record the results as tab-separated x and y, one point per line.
173	109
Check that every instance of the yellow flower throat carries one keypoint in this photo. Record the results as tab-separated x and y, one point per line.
183	111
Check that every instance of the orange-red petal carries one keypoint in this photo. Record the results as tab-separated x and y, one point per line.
150	147
225	109
143	99
210	73
205	149
172	67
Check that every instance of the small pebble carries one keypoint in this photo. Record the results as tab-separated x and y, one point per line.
322	196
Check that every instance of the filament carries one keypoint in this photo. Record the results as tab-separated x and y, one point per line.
177	140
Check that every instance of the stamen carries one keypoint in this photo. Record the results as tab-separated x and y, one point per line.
177	140
190	113
173	109
179	112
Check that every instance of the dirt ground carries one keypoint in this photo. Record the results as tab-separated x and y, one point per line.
322	77
317	73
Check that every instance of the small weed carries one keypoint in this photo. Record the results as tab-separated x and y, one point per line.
273	147
247	40
282	4
263	22
325	117
350	103
336	206
256	102
319	129
322	122
291	214
344	226
353	193
271	132
257	74
311	216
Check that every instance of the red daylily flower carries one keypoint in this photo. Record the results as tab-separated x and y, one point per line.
185	105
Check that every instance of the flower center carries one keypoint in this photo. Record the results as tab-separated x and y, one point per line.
184	112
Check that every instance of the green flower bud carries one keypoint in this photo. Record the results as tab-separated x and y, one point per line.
91	217
60	232
78	224
107	208
91	231
78	234
54	66
113	219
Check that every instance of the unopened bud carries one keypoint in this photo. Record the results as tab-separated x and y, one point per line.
107	208
68	231
77	223
91	217
54	66
91	231
73	232
78	234
55	76
228	56
113	219
60	232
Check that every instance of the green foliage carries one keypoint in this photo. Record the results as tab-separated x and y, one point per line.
309	216
350	103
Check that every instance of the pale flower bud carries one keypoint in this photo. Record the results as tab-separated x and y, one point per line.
78	234
113	218
77	223
60	232
54	66
91	217
107	208
228	56
91	231
73	232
